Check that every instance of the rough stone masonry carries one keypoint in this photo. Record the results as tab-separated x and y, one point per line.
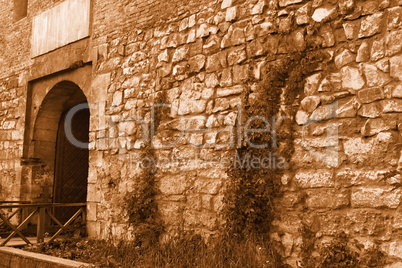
344	174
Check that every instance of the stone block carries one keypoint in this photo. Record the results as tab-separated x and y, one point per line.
344	58
226	41
173	184
211	80
218	203
314	179
354	222
207	186
376	150
213	63
255	48
265	28
258	8
371	110
165	69
207	93
219	17
383	65
194	202
363	53
397	91
231	14
285	3
180	54
207	202
327	198
370	95
377	50
310	103
180	71
394	19
242	73
351	78
324	112
117	98
311	85
324	14
374	126
391	105
196	63
350	29
392	42
223	92
370	25
289	223
91	211
396	67
226	4
94	193
302	117
347	107
237	56
221	104
376	197
100	84
374	76
212	45
226	78
185	152
302	14
346	6
237	36
354	177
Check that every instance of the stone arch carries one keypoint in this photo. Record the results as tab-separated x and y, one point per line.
59	99
47	98
44	137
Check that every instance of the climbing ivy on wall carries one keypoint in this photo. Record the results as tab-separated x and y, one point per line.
140	203
248	199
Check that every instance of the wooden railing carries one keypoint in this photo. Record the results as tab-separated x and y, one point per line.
41	210
22	210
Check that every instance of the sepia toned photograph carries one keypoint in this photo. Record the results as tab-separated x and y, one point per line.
201	133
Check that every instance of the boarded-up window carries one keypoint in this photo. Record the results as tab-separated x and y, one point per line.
63	24
20	9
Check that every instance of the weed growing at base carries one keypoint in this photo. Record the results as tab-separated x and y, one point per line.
187	250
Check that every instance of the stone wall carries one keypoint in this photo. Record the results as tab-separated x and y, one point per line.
344	174
197	57
12	96
346	166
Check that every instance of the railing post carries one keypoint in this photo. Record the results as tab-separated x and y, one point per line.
24	215
41	225
84	215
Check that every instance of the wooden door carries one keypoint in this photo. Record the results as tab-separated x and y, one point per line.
71	170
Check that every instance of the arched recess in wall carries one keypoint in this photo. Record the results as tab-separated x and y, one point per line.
60	143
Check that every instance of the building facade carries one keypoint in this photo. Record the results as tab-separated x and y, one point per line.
101	66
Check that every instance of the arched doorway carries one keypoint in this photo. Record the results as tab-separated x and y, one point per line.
71	163
61	121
